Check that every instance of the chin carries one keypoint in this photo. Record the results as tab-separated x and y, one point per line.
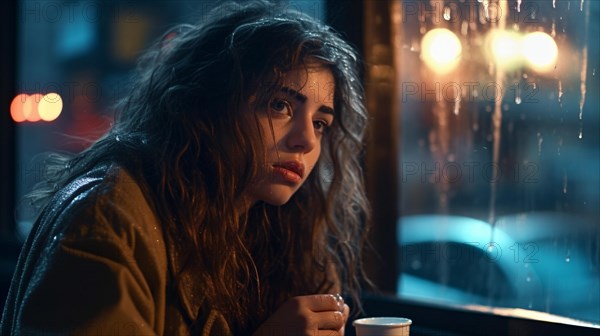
276	202
275	194
277	199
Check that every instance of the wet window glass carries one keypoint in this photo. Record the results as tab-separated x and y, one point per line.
499	158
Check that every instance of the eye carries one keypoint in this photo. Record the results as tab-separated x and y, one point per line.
321	126
281	106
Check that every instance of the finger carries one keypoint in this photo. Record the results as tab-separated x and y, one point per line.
328	333
329	320
324	302
346	312
345	315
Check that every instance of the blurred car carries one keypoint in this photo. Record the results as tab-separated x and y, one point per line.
543	261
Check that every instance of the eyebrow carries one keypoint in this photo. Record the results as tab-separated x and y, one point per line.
302	98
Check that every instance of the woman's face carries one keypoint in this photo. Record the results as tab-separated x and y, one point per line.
300	115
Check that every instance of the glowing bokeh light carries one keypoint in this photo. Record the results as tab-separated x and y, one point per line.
441	50
20	107
36	107
540	51
505	48
34	101
50	106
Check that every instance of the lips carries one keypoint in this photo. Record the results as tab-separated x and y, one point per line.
292	171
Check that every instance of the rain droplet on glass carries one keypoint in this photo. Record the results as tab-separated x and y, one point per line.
456	106
447	13
464	28
486	11
560	91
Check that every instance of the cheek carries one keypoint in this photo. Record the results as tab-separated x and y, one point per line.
271	136
313	157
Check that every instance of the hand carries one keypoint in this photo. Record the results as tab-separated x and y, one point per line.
310	315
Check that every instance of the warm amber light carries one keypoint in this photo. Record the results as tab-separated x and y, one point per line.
34	101
505	48
50	106
20	107
441	50
540	51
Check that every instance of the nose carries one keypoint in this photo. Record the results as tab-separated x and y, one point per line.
302	136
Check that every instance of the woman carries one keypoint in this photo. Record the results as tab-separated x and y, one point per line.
227	198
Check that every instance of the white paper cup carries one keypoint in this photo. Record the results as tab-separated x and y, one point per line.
382	326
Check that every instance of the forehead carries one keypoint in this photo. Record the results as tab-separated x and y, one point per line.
315	81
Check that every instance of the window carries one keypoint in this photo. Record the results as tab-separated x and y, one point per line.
74	57
499	158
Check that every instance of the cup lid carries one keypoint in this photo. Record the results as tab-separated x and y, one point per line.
388	321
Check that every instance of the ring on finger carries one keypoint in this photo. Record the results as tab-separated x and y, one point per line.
340	302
